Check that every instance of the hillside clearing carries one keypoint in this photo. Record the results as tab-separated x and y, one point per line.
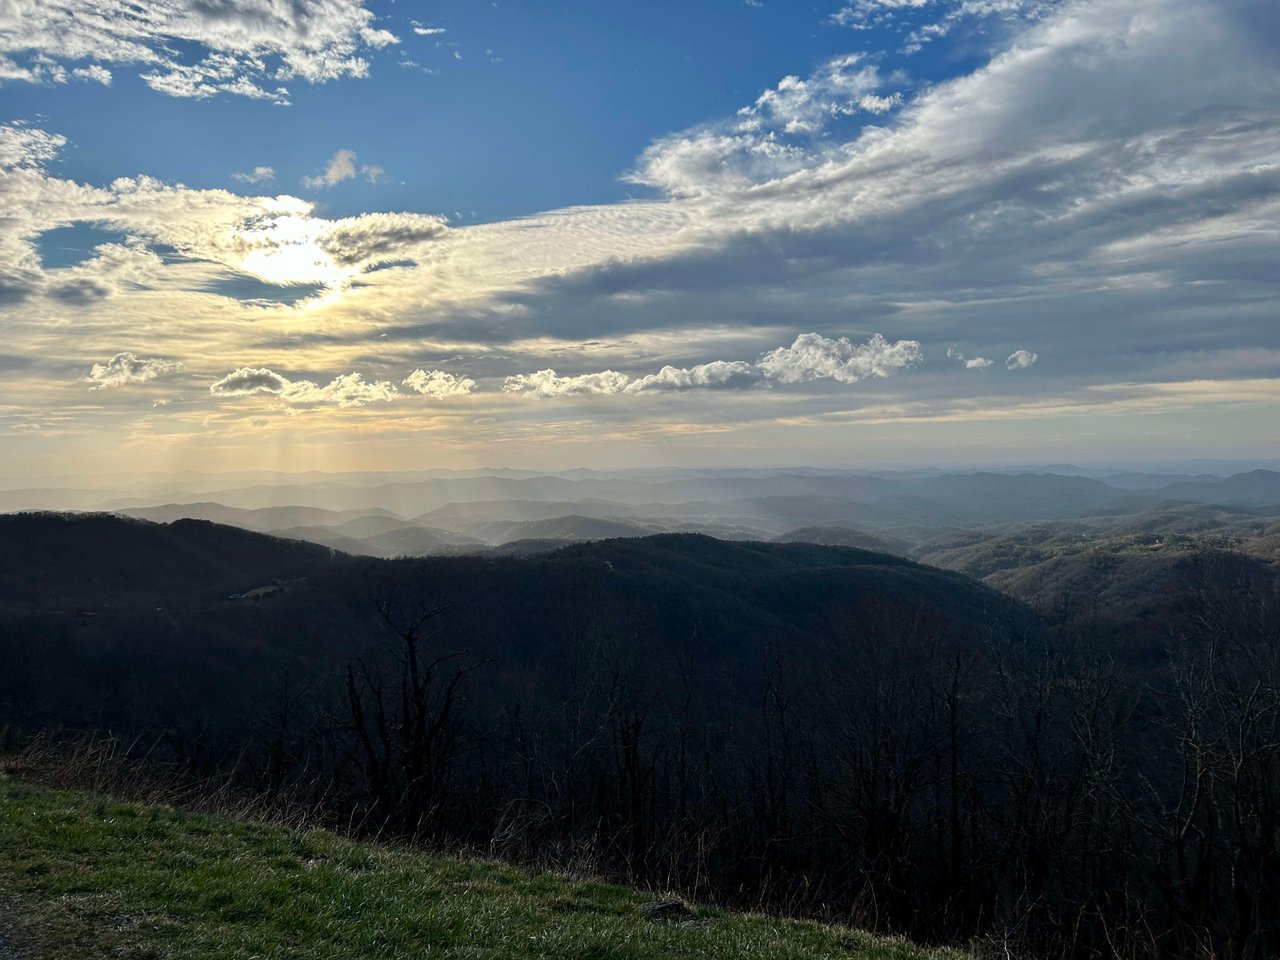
87	876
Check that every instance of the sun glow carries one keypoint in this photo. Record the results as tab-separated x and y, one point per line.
286	250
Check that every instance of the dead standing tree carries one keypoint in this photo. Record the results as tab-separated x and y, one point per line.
404	717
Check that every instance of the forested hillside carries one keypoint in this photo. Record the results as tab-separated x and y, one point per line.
821	729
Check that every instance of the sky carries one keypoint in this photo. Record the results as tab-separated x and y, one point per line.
356	235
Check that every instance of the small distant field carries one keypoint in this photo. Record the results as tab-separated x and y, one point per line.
82	876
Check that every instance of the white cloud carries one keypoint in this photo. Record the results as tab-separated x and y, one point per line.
342	166
1021	359
438	384
815	357
545	383
807	105
126	368
217	73
240	42
779	134
860	14
428	31
94	74
811	357
970	363
346	390
870	103
26	148
923	21
256	175
716	374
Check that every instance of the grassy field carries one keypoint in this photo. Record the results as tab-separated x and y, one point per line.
85	877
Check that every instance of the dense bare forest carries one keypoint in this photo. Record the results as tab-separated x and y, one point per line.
817	730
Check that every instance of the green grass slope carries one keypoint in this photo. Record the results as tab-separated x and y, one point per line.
82	876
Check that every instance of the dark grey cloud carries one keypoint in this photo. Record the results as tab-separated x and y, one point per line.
248	380
376	237
80	291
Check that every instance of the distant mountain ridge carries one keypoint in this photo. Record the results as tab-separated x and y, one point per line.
452	514
1255	488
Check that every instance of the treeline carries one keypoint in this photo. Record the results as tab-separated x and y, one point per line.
1046	797
1041	792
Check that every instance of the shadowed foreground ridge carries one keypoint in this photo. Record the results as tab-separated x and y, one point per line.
94	877
806	729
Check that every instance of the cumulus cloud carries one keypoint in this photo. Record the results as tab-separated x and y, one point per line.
811	357
545	383
438	384
342	166
93	73
238	44
871	103
815	357
126	368
806	105
970	363
256	175
779	134
346	390
1021	359
717	374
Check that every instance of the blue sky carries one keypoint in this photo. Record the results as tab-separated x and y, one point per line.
527	107
450	234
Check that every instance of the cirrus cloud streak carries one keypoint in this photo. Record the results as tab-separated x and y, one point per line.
250	47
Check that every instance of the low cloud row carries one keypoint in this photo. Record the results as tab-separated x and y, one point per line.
812	357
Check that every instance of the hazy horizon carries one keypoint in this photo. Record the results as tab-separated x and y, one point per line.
1207	466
